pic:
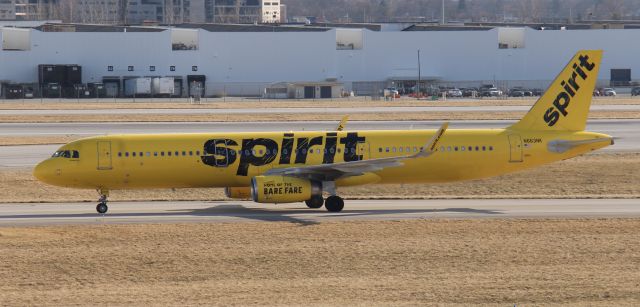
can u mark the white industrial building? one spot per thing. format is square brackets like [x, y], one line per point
[247, 60]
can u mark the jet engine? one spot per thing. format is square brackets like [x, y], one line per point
[238, 192]
[282, 189]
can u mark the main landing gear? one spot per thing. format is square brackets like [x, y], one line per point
[102, 203]
[333, 203]
[315, 202]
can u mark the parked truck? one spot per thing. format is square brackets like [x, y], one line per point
[162, 87]
[137, 87]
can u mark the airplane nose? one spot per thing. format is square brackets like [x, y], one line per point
[42, 172]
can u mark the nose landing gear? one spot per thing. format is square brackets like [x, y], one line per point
[102, 202]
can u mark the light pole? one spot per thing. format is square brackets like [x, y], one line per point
[419, 76]
[443, 12]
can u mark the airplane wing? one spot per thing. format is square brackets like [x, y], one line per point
[343, 123]
[332, 172]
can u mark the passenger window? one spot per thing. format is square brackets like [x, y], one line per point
[169, 153]
[184, 153]
[120, 154]
[177, 153]
[490, 148]
[455, 148]
[155, 153]
[126, 154]
[463, 148]
[415, 149]
[400, 149]
[477, 148]
[133, 153]
[449, 148]
[387, 149]
[148, 154]
[141, 154]
[441, 148]
[379, 149]
[470, 148]
[162, 153]
[191, 153]
[408, 149]
[484, 148]
[76, 154]
[393, 149]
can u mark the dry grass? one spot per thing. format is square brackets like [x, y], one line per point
[598, 175]
[36, 140]
[291, 117]
[583, 262]
[237, 103]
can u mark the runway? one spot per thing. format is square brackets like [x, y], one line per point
[304, 110]
[245, 211]
[27, 156]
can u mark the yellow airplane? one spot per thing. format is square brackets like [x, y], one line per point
[303, 166]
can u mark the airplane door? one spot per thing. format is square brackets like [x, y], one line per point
[515, 148]
[104, 155]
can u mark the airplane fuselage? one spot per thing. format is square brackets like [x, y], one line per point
[233, 159]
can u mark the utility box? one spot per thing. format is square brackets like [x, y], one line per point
[97, 90]
[137, 87]
[162, 86]
[52, 90]
[13, 91]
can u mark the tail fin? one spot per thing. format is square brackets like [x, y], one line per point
[565, 104]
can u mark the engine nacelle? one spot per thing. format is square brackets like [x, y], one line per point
[238, 192]
[281, 189]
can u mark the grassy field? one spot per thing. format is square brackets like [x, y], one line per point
[581, 262]
[592, 176]
[238, 103]
[443, 116]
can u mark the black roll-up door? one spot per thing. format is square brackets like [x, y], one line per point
[309, 92]
[325, 92]
[620, 77]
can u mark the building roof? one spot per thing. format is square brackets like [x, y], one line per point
[217, 27]
[73, 27]
[368, 26]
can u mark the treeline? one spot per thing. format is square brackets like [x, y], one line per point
[464, 10]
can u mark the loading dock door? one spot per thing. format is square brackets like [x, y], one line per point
[104, 155]
[309, 92]
[325, 92]
[515, 148]
[620, 77]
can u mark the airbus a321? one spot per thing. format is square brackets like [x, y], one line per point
[306, 166]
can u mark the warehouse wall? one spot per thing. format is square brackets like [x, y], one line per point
[243, 63]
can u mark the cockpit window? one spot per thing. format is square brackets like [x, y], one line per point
[69, 154]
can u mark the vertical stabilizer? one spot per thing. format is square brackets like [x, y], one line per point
[565, 104]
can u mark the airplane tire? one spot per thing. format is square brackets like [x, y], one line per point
[102, 208]
[315, 202]
[334, 203]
